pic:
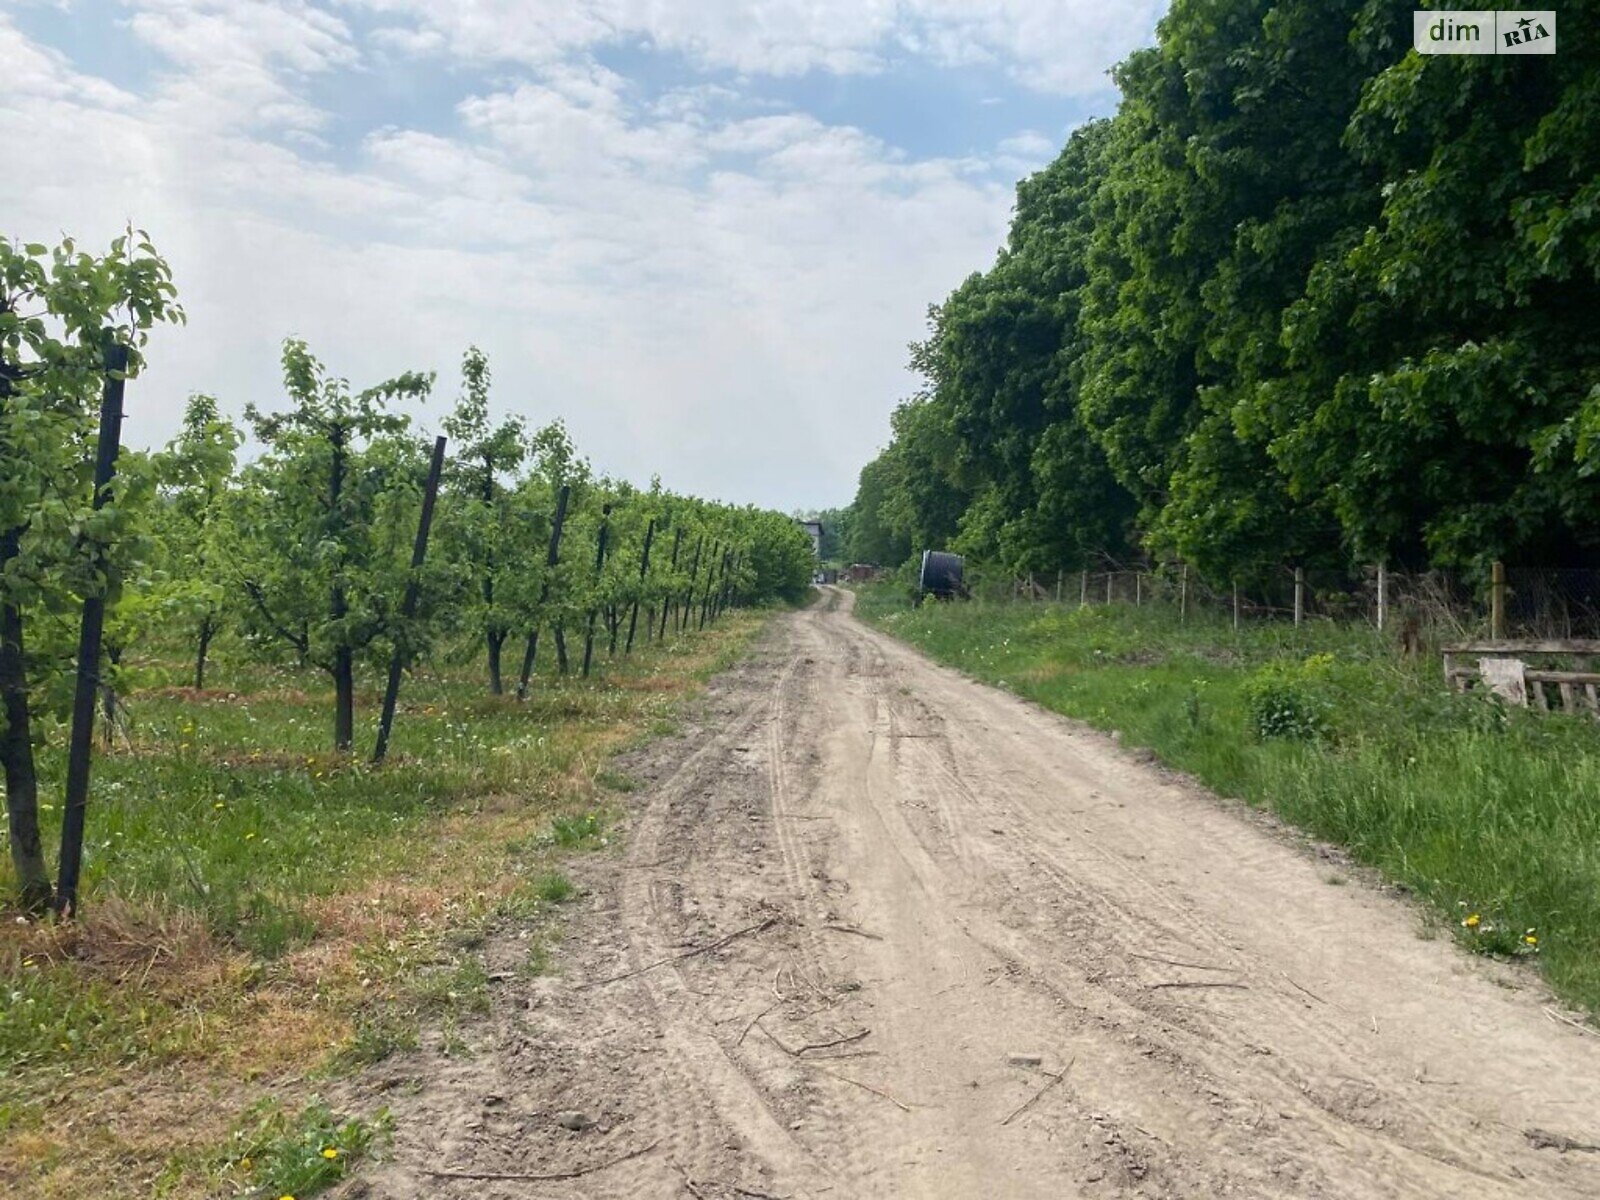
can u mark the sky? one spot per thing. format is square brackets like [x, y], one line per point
[701, 232]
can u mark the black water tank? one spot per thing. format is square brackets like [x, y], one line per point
[941, 574]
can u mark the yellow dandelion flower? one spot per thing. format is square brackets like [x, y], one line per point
[1472, 922]
[219, 804]
[1530, 939]
[330, 1152]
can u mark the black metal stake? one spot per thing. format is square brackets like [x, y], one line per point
[551, 558]
[89, 633]
[644, 569]
[666, 601]
[408, 606]
[599, 569]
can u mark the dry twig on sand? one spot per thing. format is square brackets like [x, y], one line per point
[1034, 1099]
[547, 1177]
[758, 927]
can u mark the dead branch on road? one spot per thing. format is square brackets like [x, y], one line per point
[1198, 983]
[1178, 962]
[866, 1087]
[758, 927]
[547, 1177]
[1034, 1099]
[866, 933]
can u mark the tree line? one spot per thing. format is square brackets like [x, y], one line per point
[1307, 297]
[304, 553]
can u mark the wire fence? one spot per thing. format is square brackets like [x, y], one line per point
[1428, 606]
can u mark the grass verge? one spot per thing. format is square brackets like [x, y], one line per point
[261, 915]
[1491, 815]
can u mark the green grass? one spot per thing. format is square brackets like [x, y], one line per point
[1478, 810]
[257, 908]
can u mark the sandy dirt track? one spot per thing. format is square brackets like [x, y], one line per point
[966, 949]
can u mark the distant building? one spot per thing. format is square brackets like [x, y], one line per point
[814, 531]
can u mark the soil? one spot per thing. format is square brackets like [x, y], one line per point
[874, 930]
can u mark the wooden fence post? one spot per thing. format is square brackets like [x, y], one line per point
[81, 736]
[408, 606]
[1058, 587]
[1299, 595]
[1497, 602]
[1083, 590]
[551, 559]
[1110, 575]
[1183, 592]
[1236, 606]
[1383, 596]
[644, 569]
[1138, 588]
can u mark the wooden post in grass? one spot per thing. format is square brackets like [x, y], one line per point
[81, 737]
[1083, 589]
[1236, 606]
[551, 558]
[1497, 601]
[408, 606]
[1383, 596]
[1110, 578]
[1138, 588]
[599, 571]
[1058, 587]
[1299, 595]
[1183, 592]
[666, 601]
[644, 569]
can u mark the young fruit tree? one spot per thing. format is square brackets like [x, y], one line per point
[66, 319]
[330, 509]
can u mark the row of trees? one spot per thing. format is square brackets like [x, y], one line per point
[304, 552]
[1307, 297]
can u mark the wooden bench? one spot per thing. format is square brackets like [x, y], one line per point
[1520, 673]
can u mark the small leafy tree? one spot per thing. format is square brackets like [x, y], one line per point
[485, 532]
[60, 312]
[327, 507]
[196, 529]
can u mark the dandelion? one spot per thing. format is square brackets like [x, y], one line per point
[1473, 921]
[219, 805]
[1530, 938]
[330, 1152]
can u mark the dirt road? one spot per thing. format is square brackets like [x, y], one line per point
[879, 931]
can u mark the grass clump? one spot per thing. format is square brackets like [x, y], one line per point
[303, 1153]
[1485, 812]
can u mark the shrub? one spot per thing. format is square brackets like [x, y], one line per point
[1286, 699]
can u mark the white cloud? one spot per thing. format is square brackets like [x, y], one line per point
[721, 297]
[1055, 45]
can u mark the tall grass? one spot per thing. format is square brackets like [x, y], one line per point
[1481, 811]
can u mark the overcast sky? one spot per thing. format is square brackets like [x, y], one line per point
[700, 231]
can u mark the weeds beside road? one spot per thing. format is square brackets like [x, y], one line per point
[263, 916]
[1491, 815]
